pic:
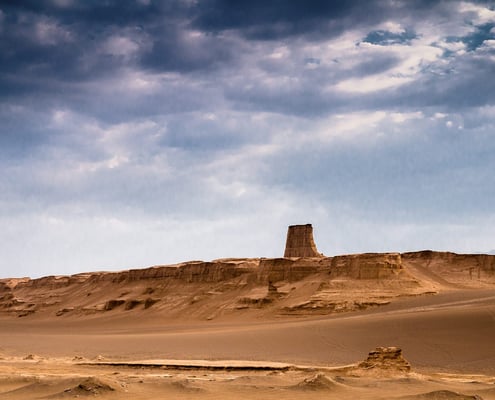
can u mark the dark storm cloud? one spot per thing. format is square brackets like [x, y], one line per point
[81, 55]
[71, 43]
[65, 41]
[49, 42]
[66, 54]
[96, 13]
[279, 19]
[172, 50]
[58, 46]
[64, 57]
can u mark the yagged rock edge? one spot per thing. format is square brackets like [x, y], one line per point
[386, 358]
[66, 295]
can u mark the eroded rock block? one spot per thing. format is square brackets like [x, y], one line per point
[300, 242]
[389, 358]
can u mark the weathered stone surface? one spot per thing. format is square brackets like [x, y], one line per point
[468, 270]
[280, 269]
[289, 285]
[317, 382]
[366, 266]
[386, 358]
[300, 242]
[89, 387]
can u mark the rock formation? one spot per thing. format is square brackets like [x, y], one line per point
[300, 242]
[302, 282]
[386, 358]
[88, 387]
[317, 382]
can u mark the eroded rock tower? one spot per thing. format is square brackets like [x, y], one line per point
[300, 242]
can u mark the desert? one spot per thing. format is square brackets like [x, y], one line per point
[154, 152]
[414, 325]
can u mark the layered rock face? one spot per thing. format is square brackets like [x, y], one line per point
[300, 242]
[386, 358]
[199, 289]
[270, 286]
[455, 270]
[355, 266]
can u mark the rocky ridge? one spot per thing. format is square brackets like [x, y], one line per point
[288, 286]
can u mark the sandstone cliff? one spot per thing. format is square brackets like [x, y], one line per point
[451, 269]
[280, 286]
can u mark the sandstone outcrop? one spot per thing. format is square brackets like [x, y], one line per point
[91, 386]
[284, 286]
[465, 270]
[386, 358]
[300, 242]
[316, 383]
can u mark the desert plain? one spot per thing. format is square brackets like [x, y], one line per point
[284, 328]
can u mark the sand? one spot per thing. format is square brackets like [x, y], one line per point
[447, 337]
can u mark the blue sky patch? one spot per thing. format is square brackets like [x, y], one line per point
[386, 38]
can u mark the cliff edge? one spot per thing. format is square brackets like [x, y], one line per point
[268, 287]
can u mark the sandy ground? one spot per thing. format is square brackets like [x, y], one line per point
[448, 339]
[64, 379]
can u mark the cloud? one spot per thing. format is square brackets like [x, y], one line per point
[387, 38]
[156, 127]
[278, 20]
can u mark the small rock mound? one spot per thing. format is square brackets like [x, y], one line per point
[90, 387]
[185, 386]
[32, 357]
[132, 303]
[386, 358]
[317, 382]
[112, 304]
[149, 302]
[442, 395]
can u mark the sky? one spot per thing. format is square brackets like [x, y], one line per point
[139, 133]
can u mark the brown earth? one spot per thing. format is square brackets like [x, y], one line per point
[257, 328]
[266, 288]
